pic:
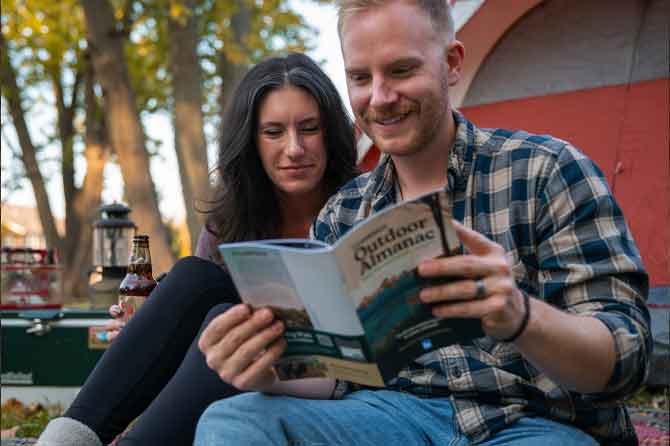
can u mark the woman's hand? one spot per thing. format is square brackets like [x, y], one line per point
[242, 347]
[114, 326]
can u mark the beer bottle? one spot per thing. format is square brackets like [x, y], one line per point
[138, 282]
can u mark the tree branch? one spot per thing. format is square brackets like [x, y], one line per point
[28, 152]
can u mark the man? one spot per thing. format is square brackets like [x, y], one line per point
[550, 268]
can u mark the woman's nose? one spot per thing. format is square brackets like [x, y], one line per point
[295, 147]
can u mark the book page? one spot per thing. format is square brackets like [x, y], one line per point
[325, 297]
[273, 288]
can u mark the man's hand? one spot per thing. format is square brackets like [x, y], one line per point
[500, 303]
[242, 347]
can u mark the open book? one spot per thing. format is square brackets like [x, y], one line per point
[351, 310]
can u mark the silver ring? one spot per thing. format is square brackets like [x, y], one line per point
[480, 289]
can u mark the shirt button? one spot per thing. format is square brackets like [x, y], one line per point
[456, 371]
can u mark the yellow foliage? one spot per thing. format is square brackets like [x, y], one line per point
[176, 10]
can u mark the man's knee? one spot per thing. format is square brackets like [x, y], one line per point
[249, 407]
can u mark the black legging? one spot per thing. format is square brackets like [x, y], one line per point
[154, 367]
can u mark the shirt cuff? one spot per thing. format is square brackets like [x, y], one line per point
[341, 388]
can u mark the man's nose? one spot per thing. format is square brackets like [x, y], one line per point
[382, 94]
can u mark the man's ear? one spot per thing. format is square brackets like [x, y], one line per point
[454, 54]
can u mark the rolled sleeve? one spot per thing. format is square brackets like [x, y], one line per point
[632, 354]
[590, 264]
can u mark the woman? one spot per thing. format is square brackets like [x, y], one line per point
[287, 145]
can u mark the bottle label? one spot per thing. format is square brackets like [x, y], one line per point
[129, 305]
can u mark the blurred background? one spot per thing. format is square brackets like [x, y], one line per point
[100, 94]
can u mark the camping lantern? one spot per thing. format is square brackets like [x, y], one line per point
[112, 237]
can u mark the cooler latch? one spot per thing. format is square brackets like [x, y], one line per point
[41, 320]
[39, 327]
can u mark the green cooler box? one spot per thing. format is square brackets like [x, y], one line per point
[47, 354]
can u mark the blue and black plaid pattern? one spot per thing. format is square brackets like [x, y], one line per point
[567, 239]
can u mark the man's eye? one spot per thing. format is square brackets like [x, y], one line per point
[403, 71]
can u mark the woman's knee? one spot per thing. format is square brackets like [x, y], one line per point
[215, 311]
[191, 277]
[190, 265]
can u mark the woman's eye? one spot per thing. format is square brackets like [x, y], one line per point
[272, 132]
[311, 129]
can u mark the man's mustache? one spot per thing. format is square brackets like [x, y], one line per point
[380, 115]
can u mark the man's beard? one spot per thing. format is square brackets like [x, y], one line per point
[430, 119]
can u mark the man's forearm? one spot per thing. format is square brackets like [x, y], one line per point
[575, 351]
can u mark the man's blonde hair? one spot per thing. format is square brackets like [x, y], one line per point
[439, 12]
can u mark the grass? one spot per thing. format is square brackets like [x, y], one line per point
[33, 418]
[654, 398]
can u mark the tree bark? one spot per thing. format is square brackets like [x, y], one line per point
[124, 127]
[232, 72]
[88, 198]
[28, 150]
[66, 133]
[189, 140]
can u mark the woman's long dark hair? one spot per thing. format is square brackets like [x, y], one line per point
[245, 206]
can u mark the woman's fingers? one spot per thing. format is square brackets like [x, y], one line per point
[114, 324]
[111, 335]
[115, 311]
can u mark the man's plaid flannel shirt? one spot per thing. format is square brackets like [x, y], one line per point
[551, 209]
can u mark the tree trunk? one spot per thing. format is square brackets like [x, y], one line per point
[189, 140]
[231, 71]
[87, 201]
[74, 283]
[66, 133]
[28, 150]
[124, 127]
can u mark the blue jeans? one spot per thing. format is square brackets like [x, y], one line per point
[363, 418]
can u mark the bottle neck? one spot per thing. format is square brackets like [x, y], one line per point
[139, 261]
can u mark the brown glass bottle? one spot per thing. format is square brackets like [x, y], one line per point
[138, 282]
